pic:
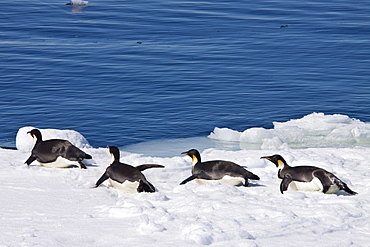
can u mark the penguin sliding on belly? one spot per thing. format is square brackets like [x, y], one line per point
[307, 178]
[125, 177]
[225, 172]
[55, 152]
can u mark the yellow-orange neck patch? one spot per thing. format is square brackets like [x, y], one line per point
[194, 160]
[280, 164]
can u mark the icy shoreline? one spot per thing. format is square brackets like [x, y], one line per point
[59, 207]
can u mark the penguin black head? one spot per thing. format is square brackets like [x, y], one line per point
[36, 134]
[194, 154]
[114, 152]
[277, 159]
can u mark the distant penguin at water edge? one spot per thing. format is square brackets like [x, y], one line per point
[55, 153]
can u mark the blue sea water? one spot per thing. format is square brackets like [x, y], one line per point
[127, 72]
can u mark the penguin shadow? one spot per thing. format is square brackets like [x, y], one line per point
[342, 193]
[255, 185]
[67, 167]
[87, 164]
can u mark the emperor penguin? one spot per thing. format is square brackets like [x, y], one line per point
[126, 177]
[225, 172]
[307, 178]
[55, 153]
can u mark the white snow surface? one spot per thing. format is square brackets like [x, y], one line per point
[60, 207]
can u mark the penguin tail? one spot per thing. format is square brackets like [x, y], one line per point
[145, 187]
[252, 176]
[88, 156]
[348, 190]
[344, 186]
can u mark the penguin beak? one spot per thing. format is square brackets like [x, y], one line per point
[276, 162]
[185, 153]
[266, 157]
[32, 135]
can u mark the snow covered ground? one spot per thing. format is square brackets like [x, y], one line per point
[60, 207]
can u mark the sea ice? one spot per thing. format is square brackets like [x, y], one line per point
[60, 207]
[314, 130]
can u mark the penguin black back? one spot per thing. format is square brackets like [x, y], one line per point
[225, 171]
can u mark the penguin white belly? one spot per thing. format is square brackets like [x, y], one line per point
[204, 181]
[313, 185]
[332, 189]
[127, 186]
[236, 181]
[60, 162]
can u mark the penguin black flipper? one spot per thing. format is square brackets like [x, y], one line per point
[102, 179]
[285, 183]
[147, 166]
[200, 175]
[30, 160]
[192, 177]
